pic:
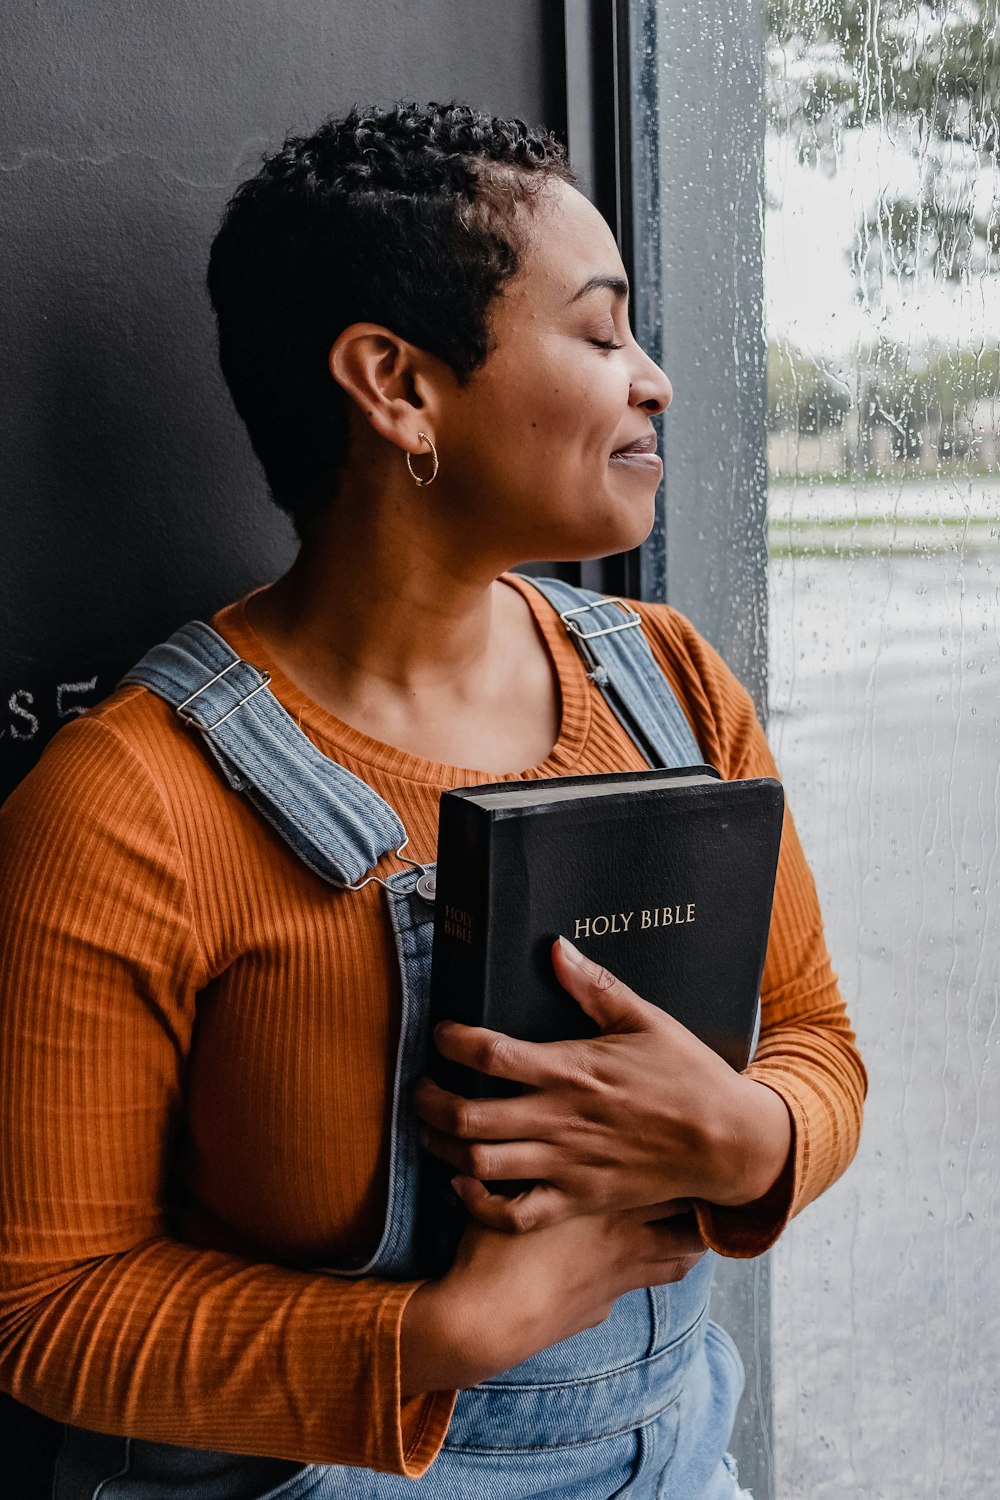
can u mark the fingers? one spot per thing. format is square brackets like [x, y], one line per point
[490, 1161]
[478, 1119]
[538, 1208]
[633, 1252]
[499, 1055]
[676, 1270]
[653, 1234]
[676, 1238]
[653, 1213]
[606, 999]
[662, 1252]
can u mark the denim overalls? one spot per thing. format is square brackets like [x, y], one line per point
[641, 1405]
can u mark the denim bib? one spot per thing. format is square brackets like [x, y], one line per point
[643, 1404]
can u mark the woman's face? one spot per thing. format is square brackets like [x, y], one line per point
[533, 441]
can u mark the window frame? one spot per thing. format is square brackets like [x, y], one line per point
[673, 172]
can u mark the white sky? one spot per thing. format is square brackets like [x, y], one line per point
[810, 290]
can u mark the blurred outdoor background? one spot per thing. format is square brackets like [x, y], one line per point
[882, 281]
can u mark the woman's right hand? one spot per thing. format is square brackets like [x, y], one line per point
[509, 1296]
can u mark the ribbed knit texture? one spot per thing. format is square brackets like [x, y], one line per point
[197, 1044]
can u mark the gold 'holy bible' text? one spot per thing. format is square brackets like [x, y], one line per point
[621, 921]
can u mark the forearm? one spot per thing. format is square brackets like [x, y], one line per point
[818, 1073]
[194, 1347]
[436, 1343]
[814, 1071]
[752, 1143]
[105, 1321]
[481, 1318]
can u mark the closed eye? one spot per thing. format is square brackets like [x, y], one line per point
[606, 344]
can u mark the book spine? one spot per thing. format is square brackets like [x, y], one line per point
[458, 974]
[461, 931]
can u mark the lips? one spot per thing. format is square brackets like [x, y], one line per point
[646, 444]
[641, 454]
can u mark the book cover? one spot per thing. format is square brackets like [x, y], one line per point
[665, 877]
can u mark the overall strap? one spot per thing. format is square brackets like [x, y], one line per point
[333, 821]
[608, 635]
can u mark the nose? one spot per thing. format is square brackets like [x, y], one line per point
[650, 387]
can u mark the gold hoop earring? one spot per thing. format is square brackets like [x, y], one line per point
[434, 456]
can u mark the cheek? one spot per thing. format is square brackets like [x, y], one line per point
[567, 409]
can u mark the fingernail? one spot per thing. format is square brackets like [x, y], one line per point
[572, 953]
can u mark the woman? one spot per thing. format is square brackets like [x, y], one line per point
[424, 326]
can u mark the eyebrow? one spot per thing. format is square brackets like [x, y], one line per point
[616, 284]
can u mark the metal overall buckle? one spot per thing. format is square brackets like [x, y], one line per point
[426, 886]
[630, 622]
[189, 718]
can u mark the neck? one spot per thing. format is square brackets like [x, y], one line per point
[382, 593]
[392, 619]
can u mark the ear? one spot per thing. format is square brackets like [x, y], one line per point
[391, 381]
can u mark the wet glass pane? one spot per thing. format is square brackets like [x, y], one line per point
[862, 139]
[882, 234]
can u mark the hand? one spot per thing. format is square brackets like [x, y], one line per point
[509, 1296]
[643, 1113]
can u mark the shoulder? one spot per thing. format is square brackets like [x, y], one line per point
[721, 711]
[131, 739]
[131, 734]
[114, 777]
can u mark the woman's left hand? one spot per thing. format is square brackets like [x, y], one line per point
[644, 1113]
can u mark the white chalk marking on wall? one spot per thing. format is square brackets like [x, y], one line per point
[24, 725]
[19, 710]
[67, 711]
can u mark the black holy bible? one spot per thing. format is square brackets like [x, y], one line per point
[665, 877]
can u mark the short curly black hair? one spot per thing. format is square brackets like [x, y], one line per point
[404, 216]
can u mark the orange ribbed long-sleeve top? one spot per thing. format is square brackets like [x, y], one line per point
[196, 1039]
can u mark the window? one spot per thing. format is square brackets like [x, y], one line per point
[883, 322]
[832, 523]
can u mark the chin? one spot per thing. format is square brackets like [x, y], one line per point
[582, 549]
[622, 530]
[617, 526]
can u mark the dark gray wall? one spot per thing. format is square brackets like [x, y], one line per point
[129, 497]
